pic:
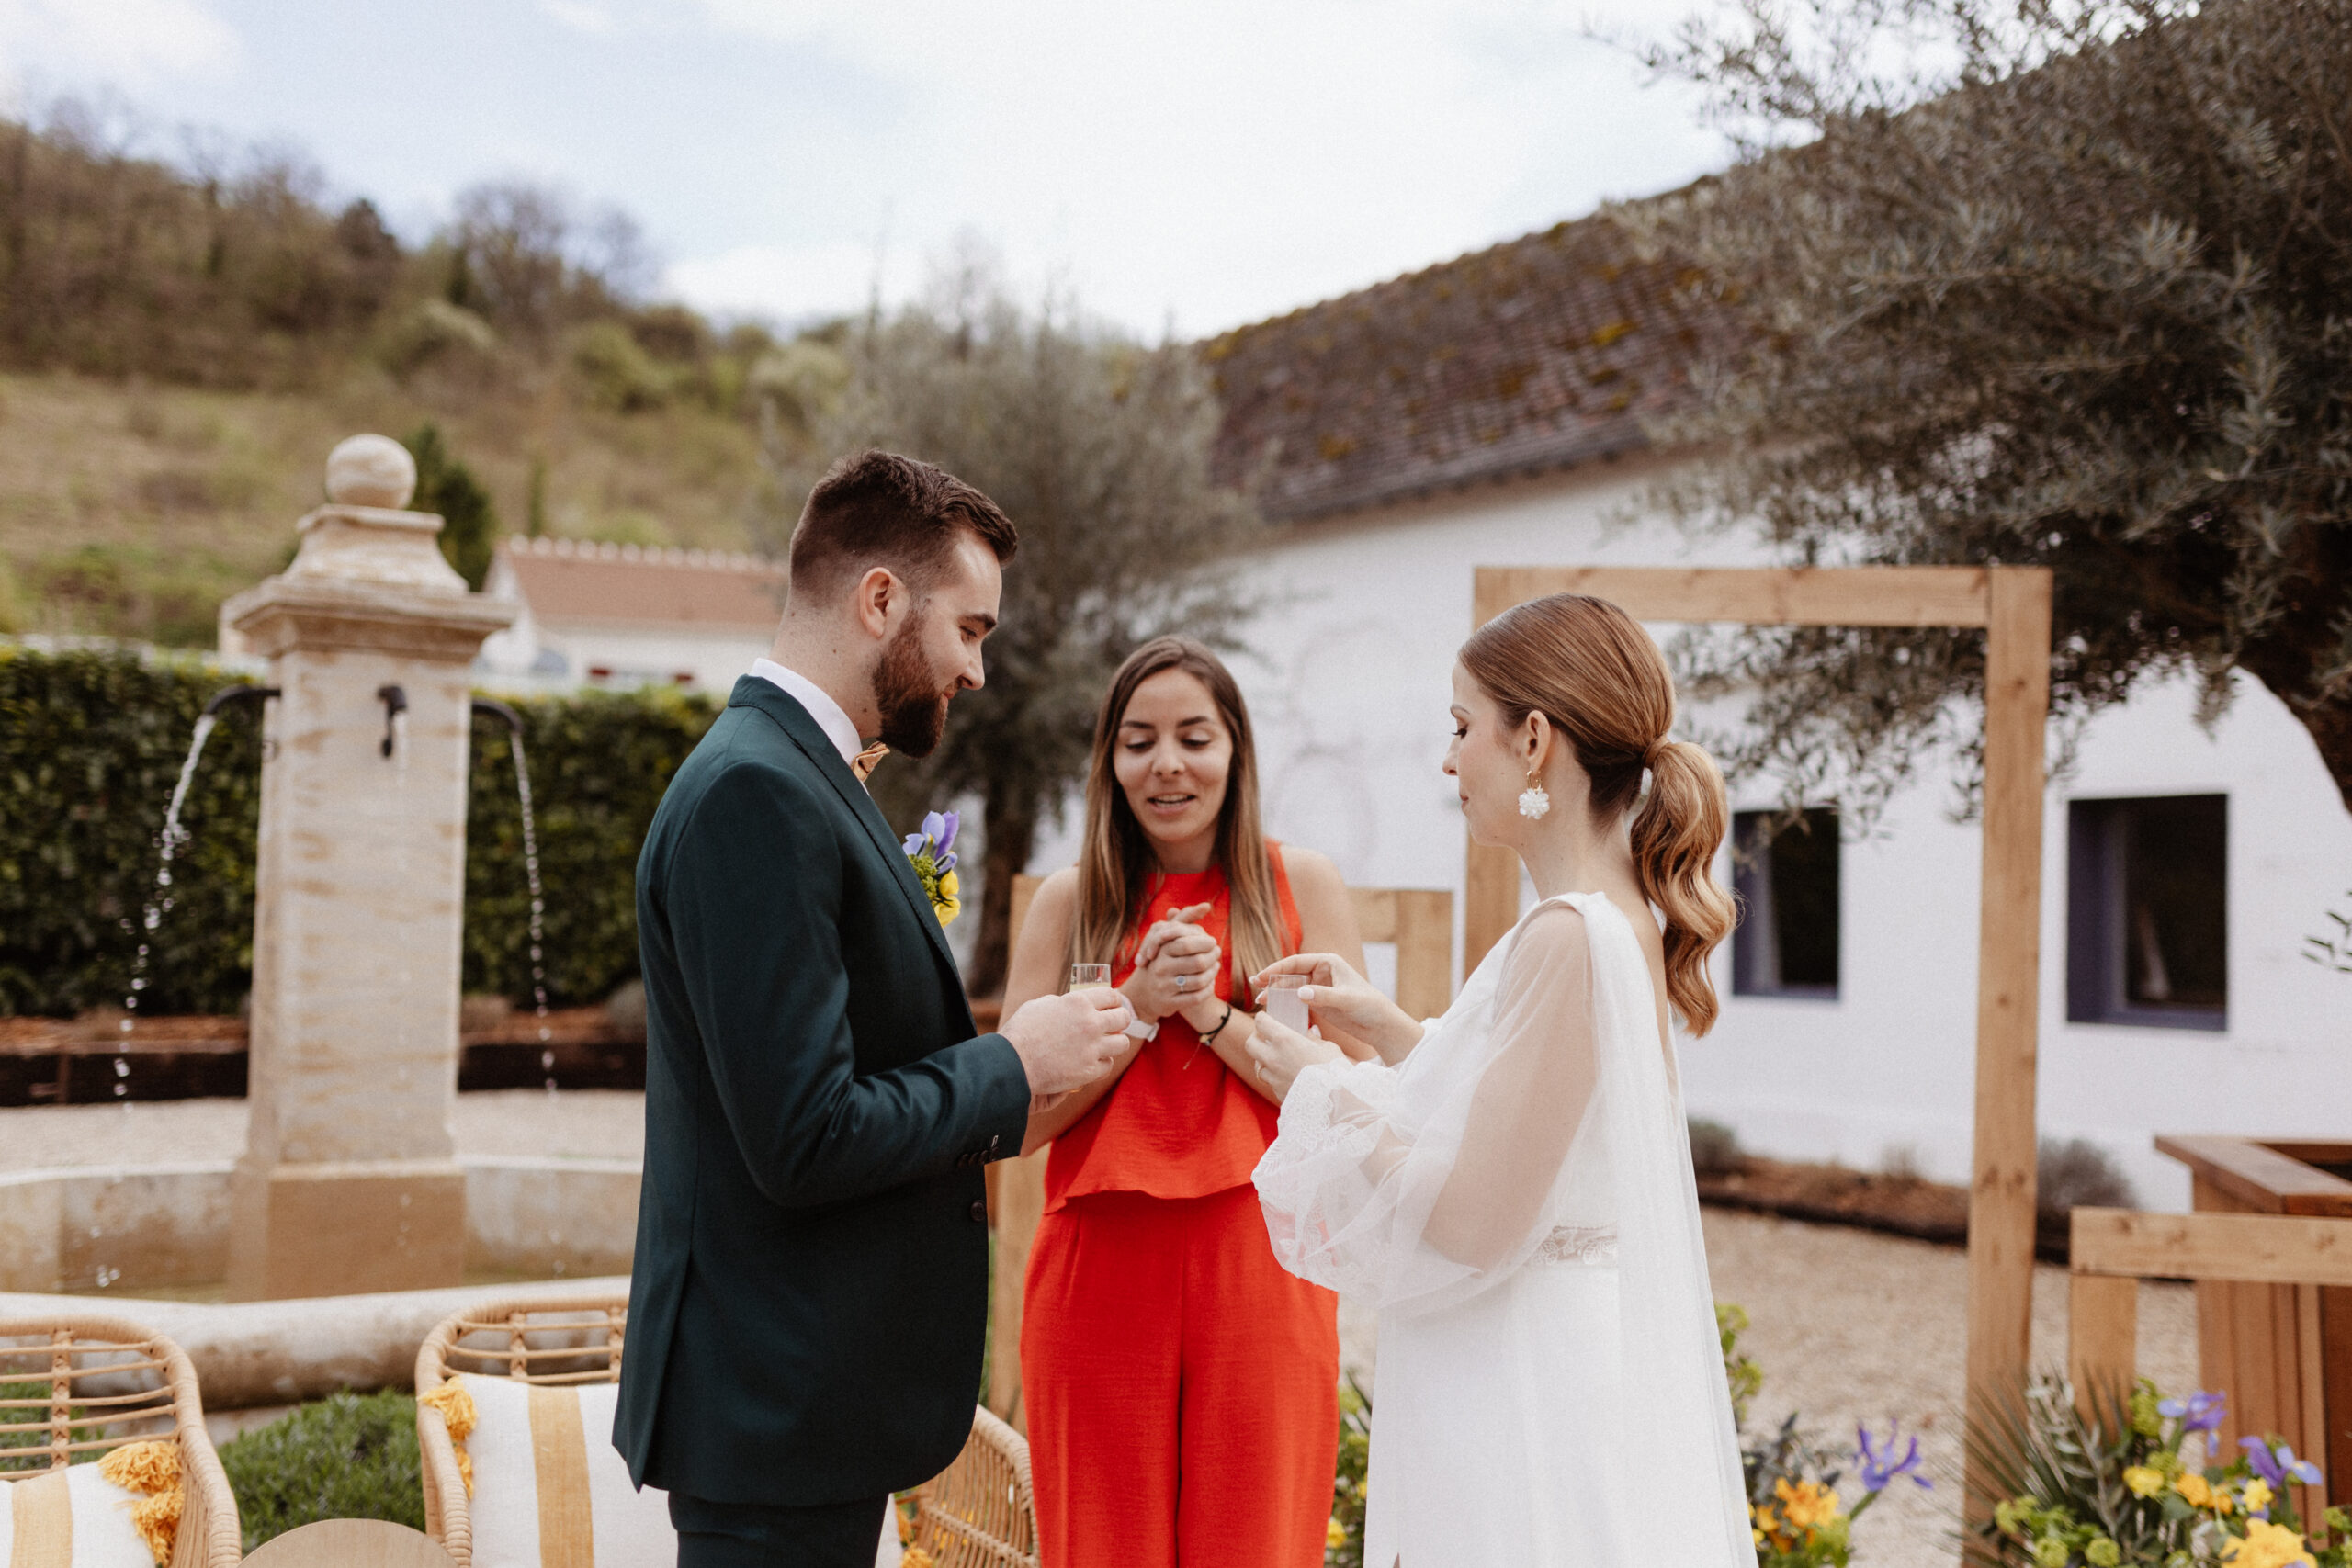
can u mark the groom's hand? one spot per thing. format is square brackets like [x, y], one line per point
[1067, 1042]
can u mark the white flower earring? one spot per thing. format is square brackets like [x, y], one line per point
[1533, 801]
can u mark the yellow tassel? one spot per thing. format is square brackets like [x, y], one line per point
[916, 1557]
[143, 1467]
[153, 1468]
[157, 1521]
[458, 1414]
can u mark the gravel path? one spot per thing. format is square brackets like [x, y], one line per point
[1848, 1325]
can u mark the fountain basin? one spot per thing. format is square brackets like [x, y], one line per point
[121, 1229]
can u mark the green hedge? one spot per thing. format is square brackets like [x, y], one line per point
[90, 743]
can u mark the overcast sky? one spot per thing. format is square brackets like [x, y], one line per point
[1197, 164]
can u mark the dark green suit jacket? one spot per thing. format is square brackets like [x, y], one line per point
[809, 1296]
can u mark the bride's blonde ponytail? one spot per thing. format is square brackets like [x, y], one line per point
[1596, 675]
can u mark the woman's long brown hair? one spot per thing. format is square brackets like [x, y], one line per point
[1116, 868]
[1590, 670]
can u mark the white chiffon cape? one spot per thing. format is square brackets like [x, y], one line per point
[1516, 1200]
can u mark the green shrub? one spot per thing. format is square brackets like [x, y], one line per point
[90, 743]
[351, 1456]
[447, 489]
[599, 764]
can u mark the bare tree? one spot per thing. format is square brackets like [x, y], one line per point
[2053, 282]
[1098, 449]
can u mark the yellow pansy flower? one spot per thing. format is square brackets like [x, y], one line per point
[2143, 1480]
[2267, 1546]
[1335, 1536]
[2256, 1495]
[2199, 1493]
[1808, 1504]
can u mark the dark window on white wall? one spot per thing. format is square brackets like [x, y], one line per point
[1787, 942]
[2147, 912]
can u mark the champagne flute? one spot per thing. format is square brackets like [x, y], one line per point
[1089, 977]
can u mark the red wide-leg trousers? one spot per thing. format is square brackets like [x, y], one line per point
[1182, 1388]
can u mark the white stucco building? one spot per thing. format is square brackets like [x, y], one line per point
[1486, 413]
[621, 616]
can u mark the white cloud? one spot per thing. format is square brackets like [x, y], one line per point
[582, 16]
[791, 280]
[1227, 159]
[130, 44]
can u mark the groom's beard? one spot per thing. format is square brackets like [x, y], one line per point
[913, 709]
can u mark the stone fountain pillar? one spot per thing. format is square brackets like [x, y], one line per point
[349, 1182]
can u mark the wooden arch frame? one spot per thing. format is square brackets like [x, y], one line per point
[2012, 604]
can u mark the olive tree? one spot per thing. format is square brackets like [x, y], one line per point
[2065, 283]
[1097, 446]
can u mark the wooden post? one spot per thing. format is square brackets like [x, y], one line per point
[2009, 947]
[2102, 1339]
[1490, 889]
[1016, 1204]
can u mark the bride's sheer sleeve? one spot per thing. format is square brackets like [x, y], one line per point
[1419, 1186]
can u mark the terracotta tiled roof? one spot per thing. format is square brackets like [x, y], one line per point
[566, 582]
[1541, 353]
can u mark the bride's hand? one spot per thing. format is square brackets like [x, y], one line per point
[1343, 1004]
[1281, 1054]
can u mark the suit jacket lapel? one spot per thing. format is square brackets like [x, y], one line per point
[779, 705]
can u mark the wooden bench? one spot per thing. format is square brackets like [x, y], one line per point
[2111, 1250]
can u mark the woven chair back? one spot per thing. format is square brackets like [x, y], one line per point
[71, 1389]
[979, 1512]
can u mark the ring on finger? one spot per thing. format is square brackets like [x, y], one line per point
[1184, 983]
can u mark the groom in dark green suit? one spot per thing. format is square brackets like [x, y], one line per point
[808, 1301]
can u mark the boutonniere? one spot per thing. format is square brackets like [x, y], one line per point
[932, 855]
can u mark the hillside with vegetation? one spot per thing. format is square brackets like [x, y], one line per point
[180, 344]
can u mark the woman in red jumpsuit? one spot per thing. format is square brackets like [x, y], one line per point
[1180, 1387]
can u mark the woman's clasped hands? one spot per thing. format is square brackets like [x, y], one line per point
[1176, 969]
[1348, 1015]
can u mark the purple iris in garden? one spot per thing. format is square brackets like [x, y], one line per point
[1879, 1467]
[939, 832]
[2278, 1466]
[2200, 1412]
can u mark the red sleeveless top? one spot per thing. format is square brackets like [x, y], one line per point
[1179, 1123]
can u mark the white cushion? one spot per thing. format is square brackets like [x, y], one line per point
[100, 1521]
[626, 1527]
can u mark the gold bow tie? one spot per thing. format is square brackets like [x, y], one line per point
[865, 763]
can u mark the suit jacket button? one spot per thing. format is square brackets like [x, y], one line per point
[979, 1211]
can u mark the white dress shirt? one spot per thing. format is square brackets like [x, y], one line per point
[821, 707]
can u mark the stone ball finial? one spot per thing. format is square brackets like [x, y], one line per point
[370, 471]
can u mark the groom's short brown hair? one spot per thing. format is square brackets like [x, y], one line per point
[879, 509]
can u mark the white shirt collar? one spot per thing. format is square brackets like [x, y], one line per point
[821, 706]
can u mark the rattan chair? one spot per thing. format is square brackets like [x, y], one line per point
[981, 1512]
[574, 1340]
[111, 1382]
[978, 1513]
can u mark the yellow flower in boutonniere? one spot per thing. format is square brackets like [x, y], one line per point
[932, 855]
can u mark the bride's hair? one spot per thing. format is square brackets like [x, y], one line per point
[1590, 670]
[1116, 864]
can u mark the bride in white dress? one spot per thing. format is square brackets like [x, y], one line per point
[1510, 1185]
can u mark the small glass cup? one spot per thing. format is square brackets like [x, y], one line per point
[1089, 977]
[1284, 1005]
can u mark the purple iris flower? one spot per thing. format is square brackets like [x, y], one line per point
[2279, 1466]
[938, 836]
[1879, 1467]
[2200, 1412]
